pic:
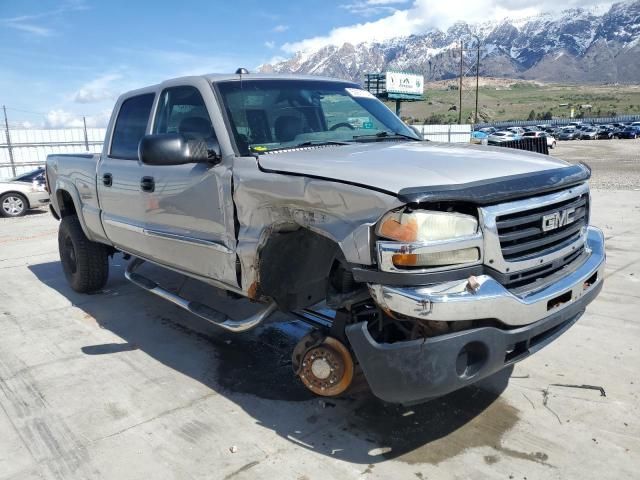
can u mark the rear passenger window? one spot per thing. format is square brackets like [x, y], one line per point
[131, 126]
[182, 110]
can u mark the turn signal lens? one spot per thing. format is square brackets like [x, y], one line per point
[436, 259]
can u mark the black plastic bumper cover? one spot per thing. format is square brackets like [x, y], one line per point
[418, 370]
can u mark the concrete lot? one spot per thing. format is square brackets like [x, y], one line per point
[615, 163]
[122, 385]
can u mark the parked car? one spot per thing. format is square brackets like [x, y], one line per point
[569, 133]
[516, 130]
[431, 266]
[588, 134]
[551, 142]
[21, 193]
[604, 133]
[629, 132]
[503, 136]
[479, 137]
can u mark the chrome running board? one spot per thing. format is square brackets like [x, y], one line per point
[199, 309]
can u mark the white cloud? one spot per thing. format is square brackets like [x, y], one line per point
[424, 15]
[29, 28]
[98, 90]
[280, 28]
[270, 44]
[61, 118]
[26, 23]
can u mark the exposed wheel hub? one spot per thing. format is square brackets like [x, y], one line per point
[326, 368]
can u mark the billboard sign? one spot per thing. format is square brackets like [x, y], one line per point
[407, 83]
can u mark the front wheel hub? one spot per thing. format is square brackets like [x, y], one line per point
[327, 368]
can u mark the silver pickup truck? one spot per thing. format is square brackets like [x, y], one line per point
[425, 266]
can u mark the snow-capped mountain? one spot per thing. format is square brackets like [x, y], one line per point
[573, 46]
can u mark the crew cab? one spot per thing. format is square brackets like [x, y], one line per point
[425, 266]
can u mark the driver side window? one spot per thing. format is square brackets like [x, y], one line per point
[182, 110]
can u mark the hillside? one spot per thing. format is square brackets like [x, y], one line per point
[501, 99]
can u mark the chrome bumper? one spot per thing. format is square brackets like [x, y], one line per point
[456, 301]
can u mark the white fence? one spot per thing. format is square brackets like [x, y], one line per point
[27, 149]
[445, 133]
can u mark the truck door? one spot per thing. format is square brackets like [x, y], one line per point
[119, 175]
[189, 215]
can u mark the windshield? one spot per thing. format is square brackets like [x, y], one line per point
[267, 115]
[29, 177]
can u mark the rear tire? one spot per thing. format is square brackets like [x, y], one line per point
[13, 205]
[85, 263]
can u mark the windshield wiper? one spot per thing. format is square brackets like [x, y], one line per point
[309, 143]
[385, 135]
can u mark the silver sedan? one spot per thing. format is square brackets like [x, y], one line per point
[19, 194]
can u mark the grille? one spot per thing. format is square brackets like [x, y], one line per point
[521, 235]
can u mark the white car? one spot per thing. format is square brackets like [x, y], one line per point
[551, 142]
[503, 136]
[21, 193]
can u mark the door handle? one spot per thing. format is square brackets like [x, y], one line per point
[107, 179]
[147, 184]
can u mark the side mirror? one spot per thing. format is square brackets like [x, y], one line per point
[176, 149]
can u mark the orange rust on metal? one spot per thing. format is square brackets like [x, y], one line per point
[252, 293]
[327, 369]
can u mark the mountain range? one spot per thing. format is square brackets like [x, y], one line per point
[574, 46]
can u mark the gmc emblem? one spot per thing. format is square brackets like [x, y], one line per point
[558, 219]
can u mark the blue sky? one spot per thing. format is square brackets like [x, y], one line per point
[74, 57]
[61, 59]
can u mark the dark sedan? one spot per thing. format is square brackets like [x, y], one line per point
[629, 132]
[604, 133]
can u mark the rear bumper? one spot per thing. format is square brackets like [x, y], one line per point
[418, 370]
[454, 301]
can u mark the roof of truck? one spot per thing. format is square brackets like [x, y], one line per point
[218, 77]
[221, 77]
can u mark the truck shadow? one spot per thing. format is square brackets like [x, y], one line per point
[254, 371]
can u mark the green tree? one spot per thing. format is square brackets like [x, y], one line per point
[532, 115]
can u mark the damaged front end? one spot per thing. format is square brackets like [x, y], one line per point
[469, 290]
[427, 291]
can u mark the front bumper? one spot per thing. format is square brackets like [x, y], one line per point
[455, 301]
[418, 370]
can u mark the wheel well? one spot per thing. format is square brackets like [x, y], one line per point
[65, 203]
[20, 194]
[295, 268]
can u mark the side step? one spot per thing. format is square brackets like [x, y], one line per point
[203, 311]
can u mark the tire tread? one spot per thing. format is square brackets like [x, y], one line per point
[92, 258]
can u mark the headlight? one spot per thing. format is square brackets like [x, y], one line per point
[424, 227]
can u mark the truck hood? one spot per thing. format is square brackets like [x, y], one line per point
[394, 166]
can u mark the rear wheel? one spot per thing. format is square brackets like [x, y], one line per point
[13, 205]
[85, 263]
